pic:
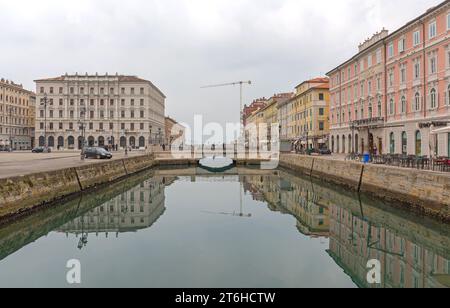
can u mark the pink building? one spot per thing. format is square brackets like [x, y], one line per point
[396, 90]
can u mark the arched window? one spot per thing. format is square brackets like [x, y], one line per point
[433, 99]
[379, 109]
[418, 143]
[337, 145]
[403, 104]
[404, 143]
[123, 142]
[51, 142]
[357, 143]
[391, 107]
[132, 142]
[91, 141]
[350, 143]
[141, 142]
[343, 144]
[41, 141]
[392, 143]
[417, 102]
[61, 141]
[101, 141]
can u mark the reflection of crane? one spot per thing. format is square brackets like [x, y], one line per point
[241, 210]
[241, 85]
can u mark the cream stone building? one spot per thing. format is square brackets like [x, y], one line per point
[116, 110]
[16, 116]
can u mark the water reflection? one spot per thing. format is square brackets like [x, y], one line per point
[137, 208]
[414, 253]
[350, 229]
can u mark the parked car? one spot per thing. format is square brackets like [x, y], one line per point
[97, 153]
[324, 151]
[41, 150]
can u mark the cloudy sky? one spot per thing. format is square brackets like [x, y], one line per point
[183, 44]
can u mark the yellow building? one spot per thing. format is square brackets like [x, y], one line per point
[308, 114]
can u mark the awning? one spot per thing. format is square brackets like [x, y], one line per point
[443, 130]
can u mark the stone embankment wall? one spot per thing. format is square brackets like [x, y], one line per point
[20, 194]
[426, 192]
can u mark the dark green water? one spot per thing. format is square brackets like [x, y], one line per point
[163, 230]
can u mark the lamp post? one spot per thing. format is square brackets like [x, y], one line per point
[10, 129]
[44, 103]
[82, 124]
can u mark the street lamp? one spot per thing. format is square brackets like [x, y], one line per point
[82, 125]
[44, 103]
[10, 129]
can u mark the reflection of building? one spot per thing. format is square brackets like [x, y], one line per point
[355, 241]
[115, 109]
[295, 198]
[16, 116]
[135, 209]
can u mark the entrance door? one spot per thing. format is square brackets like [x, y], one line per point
[371, 143]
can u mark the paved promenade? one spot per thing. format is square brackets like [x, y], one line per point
[22, 163]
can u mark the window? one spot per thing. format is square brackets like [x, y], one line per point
[433, 99]
[321, 97]
[403, 74]
[370, 110]
[369, 61]
[416, 38]
[448, 22]
[448, 96]
[392, 143]
[401, 45]
[321, 126]
[404, 143]
[403, 104]
[432, 30]
[433, 68]
[322, 111]
[417, 102]
[391, 50]
[417, 70]
[379, 56]
[418, 143]
[379, 109]
[391, 107]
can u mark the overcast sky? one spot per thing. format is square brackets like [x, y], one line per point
[181, 45]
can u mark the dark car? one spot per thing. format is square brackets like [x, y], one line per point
[41, 150]
[325, 152]
[97, 153]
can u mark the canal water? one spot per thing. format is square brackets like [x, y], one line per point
[248, 228]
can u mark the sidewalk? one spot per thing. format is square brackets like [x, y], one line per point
[22, 163]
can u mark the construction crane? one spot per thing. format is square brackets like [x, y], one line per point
[237, 83]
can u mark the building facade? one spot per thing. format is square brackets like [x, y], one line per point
[174, 131]
[309, 121]
[16, 116]
[391, 95]
[115, 110]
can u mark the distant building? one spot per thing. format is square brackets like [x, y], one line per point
[304, 118]
[174, 131]
[16, 116]
[396, 90]
[114, 110]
